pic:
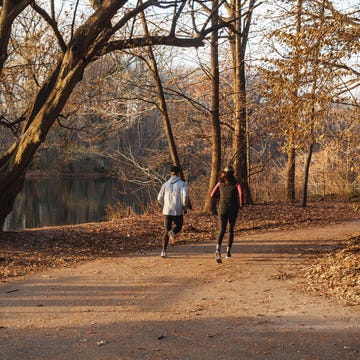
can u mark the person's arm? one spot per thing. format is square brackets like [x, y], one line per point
[185, 197]
[160, 197]
[215, 190]
[240, 194]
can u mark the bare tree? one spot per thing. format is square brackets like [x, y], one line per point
[238, 24]
[152, 65]
[239, 34]
[215, 110]
[95, 37]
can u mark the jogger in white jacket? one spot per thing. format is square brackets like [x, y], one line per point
[173, 196]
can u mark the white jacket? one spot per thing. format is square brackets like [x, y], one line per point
[173, 196]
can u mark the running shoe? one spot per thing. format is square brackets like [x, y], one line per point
[171, 237]
[218, 256]
[163, 254]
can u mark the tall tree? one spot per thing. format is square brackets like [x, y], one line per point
[104, 31]
[315, 73]
[215, 109]
[308, 71]
[153, 67]
[239, 34]
[293, 115]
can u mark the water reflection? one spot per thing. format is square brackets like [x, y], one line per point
[60, 201]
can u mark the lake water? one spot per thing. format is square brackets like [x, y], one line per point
[60, 201]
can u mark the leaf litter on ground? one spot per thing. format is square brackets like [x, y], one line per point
[336, 273]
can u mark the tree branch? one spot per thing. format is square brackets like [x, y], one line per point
[341, 66]
[8, 13]
[132, 14]
[150, 41]
[52, 24]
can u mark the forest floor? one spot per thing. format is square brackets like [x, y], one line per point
[101, 290]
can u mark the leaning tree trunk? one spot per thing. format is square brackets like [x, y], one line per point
[315, 71]
[46, 107]
[8, 13]
[163, 106]
[44, 112]
[8, 196]
[11, 182]
[210, 205]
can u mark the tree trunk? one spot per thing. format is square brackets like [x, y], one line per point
[163, 109]
[162, 101]
[46, 107]
[240, 144]
[14, 164]
[291, 175]
[241, 139]
[291, 141]
[163, 106]
[210, 205]
[8, 197]
[306, 175]
[315, 72]
[8, 13]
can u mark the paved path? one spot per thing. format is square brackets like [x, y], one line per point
[183, 307]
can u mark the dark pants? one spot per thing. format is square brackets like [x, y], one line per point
[168, 220]
[223, 220]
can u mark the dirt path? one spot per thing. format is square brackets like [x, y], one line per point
[183, 307]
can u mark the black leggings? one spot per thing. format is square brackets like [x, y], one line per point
[223, 220]
[168, 220]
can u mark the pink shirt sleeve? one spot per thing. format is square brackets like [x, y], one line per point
[240, 193]
[215, 189]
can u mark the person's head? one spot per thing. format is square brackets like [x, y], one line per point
[227, 175]
[175, 170]
[228, 170]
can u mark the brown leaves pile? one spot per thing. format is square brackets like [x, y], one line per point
[337, 275]
[28, 251]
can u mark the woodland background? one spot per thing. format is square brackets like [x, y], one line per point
[273, 90]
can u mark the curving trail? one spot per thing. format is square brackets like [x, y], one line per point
[184, 307]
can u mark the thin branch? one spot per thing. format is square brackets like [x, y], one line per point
[176, 17]
[52, 24]
[73, 20]
[52, 9]
[132, 14]
[341, 66]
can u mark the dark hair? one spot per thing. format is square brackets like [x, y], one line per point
[227, 176]
[175, 170]
[229, 170]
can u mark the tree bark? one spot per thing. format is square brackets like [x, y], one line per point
[162, 101]
[210, 205]
[315, 72]
[163, 107]
[290, 175]
[8, 13]
[240, 144]
[306, 175]
[8, 196]
[291, 191]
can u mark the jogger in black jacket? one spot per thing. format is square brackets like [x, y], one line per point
[229, 192]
